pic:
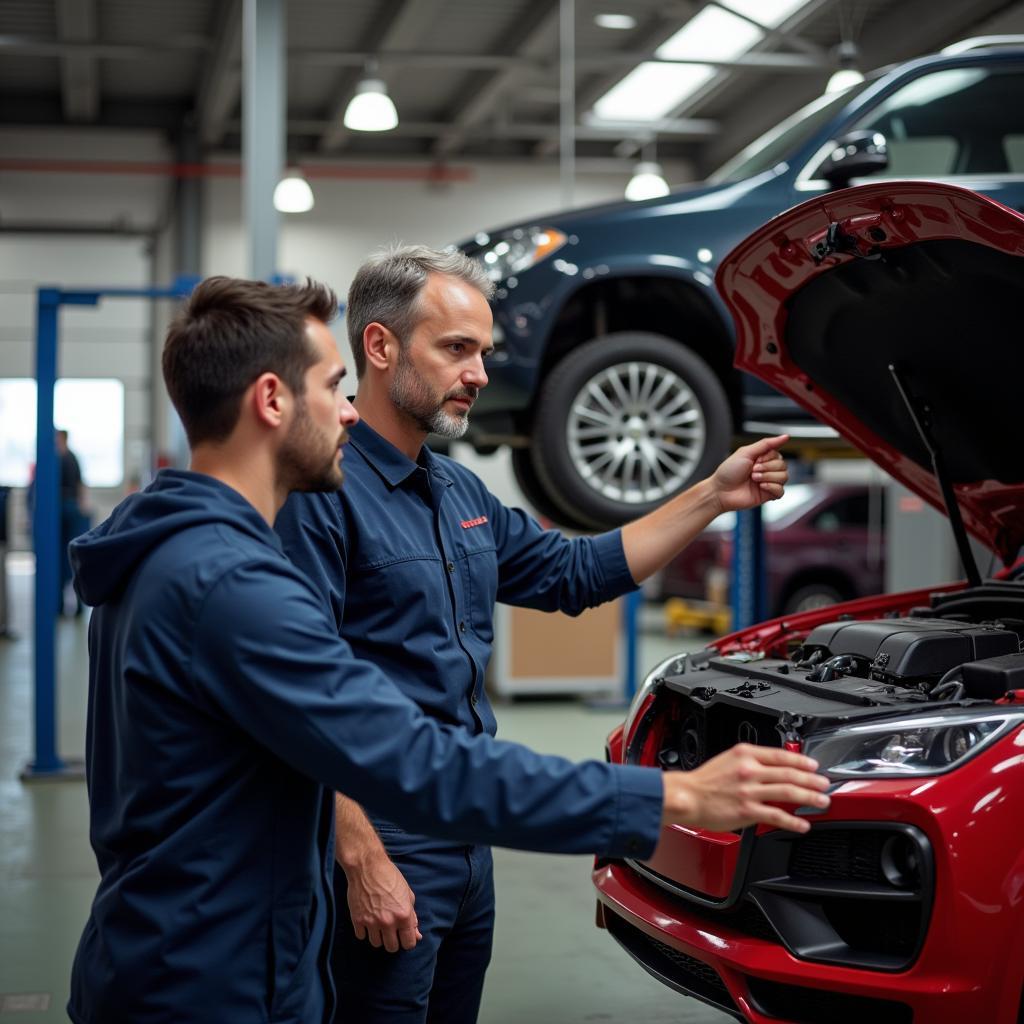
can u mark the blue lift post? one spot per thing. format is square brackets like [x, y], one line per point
[631, 623]
[748, 591]
[47, 763]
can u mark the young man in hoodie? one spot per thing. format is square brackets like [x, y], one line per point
[224, 708]
[410, 558]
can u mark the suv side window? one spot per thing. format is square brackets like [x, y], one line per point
[958, 121]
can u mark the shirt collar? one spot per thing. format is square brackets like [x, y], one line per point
[393, 466]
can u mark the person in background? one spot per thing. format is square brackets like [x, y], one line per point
[73, 517]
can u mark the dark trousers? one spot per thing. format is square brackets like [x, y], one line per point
[441, 979]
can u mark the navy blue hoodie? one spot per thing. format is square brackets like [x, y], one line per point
[224, 709]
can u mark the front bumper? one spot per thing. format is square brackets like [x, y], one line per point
[692, 916]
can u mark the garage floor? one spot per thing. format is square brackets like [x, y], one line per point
[551, 965]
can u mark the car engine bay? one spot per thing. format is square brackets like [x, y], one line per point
[962, 650]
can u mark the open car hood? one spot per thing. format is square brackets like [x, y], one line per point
[927, 279]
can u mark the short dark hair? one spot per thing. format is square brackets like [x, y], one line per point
[228, 332]
[387, 287]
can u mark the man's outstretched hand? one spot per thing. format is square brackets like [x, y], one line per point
[743, 786]
[752, 475]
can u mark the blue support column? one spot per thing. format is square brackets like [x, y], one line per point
[46, 538]
[631, 628]
[47, 764]
[748, 570]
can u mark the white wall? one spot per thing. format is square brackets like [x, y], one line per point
[83, 199]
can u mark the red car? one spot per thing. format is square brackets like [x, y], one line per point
[824, 543]
[892, 312]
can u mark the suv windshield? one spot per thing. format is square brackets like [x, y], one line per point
[777, 144]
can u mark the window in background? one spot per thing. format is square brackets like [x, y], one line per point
[91, 411]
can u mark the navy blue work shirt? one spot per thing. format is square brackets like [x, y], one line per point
[222, 705]
[411, 557]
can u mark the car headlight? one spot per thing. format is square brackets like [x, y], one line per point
[673, 665]
[506, 255]
[913, 746]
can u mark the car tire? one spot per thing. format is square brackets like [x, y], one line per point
[627, 389]
[526, 476]
[811, 596]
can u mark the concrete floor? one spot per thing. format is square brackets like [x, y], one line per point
[550, 965]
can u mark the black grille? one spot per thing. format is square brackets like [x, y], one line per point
[801, 1005]
[683, 973]
[846, 856]
[876, 926]
[694, 969]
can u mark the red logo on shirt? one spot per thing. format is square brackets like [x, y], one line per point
[468, 524]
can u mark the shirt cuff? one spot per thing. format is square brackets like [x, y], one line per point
[611, 556]
[637, 827]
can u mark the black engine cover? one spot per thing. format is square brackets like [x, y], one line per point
[909, 651]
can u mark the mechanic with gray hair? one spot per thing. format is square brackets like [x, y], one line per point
[411, 557]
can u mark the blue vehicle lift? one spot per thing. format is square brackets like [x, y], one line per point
[47, 763]
[747, 593]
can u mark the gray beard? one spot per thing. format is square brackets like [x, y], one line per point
[409, 393]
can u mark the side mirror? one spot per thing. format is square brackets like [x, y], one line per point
[855, 155]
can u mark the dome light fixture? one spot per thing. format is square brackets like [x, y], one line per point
[618, 22]
[647, 182]
[371, 108]
[848, 75]
[293, 194]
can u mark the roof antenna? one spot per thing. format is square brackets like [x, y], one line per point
[921, 416]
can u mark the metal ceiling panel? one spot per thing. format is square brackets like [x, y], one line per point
[468, 76]
[37, 18]
[169, 76]
[327, 24]
[152, 21]
[469, 26]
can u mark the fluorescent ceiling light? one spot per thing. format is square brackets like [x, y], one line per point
[371, 109]
[293, 194]
[647, 182]
[651, 91]
[843, 79]
[616, 21]
[769, 13]
[711, 34]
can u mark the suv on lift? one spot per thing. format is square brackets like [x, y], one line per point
[613, 378]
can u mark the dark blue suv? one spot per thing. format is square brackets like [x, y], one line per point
[612, 377]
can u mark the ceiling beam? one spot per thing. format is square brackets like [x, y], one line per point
[220, 85]
[79, 74]
[695, 128]
[513, 65]
[31, 46]
[397, 28]
[537, 31]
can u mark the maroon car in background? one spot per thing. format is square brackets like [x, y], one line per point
[825, 543]
[893, 313]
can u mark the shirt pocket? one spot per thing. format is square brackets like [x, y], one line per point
[391, 598]
[478, 559]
